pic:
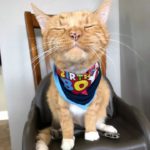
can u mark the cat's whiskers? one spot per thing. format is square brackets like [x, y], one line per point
[110, 59]
[43, 53]
[102, 51]
[44, 45]
[91, 46]
[101, 62]
[47, 54]
[121, 34]
[128, 48]
[40, 55]
[50, 51]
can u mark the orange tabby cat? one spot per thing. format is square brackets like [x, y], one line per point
[75, 41]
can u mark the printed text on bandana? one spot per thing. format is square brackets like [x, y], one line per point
[79, 83]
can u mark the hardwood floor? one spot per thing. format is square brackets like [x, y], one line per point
[4, 136]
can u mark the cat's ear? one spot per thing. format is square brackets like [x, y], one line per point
[103, 11]
[41, 17]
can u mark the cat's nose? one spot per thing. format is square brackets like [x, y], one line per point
[75, 34]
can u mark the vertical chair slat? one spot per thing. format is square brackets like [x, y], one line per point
[33, 48]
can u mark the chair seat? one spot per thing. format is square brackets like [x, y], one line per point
[133, 126]
[130, 139]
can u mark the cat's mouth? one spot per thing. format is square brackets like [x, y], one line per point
[76, 55]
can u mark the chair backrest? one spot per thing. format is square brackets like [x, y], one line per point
[31, 25]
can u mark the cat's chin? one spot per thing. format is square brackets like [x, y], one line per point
[75, 60]
[76, 67]
[75, 55]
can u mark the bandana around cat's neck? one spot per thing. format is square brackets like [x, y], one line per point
[78, 89]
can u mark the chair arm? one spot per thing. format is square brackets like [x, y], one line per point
[134, 116]
[30, 129]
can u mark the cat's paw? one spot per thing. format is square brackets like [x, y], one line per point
[107, 128]
[67, 144]
[40, 145]
[92, 136]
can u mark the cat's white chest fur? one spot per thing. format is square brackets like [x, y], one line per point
[77, 114]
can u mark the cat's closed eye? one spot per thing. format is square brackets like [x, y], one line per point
[63, 27]
[89, 26]
[58, 28]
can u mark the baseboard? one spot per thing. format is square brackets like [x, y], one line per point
[3, 115]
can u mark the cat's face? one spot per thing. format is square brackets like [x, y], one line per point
[76, 39]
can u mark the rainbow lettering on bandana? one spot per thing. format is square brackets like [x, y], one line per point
[79, 83]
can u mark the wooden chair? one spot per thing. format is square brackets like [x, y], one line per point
[130, 122]
[31, 25]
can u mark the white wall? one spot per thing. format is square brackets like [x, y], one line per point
[16, 66]
[3, 105]
[16, 61]
[113, 51]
